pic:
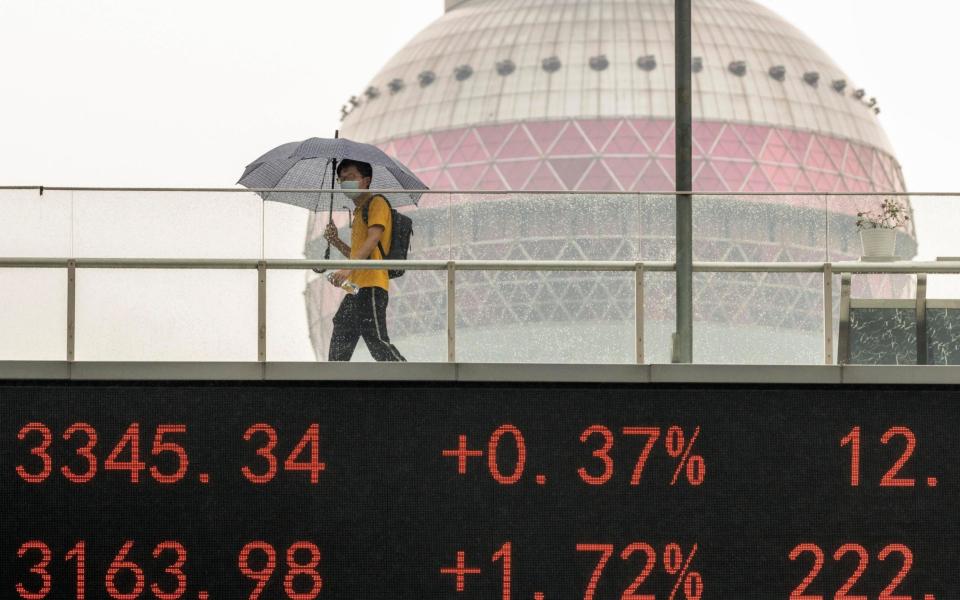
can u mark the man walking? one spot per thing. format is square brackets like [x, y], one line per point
[363, 314]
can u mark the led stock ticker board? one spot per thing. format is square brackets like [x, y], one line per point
[209, 491]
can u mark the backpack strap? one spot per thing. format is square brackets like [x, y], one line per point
[366, 220]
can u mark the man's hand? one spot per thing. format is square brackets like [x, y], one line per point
[338, 277]
[331, 234]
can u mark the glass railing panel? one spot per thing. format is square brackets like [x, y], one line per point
[546, 317]
[136, 224]
[166, 315]
[38, 225]
[660, 320]
[34, 301]
[33, 321]
[758, 318]
[759, 228]
[294, 232]
[739, 317]
[658, 226]
[564, 227]
[658, 243]
[530, 316]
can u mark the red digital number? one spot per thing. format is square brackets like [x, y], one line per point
[40, 451]
[606, 551]
[890, 479]
[176, 570]
[302, 561]
[38, 569]
[652, 433]
[131, 439]
[79, 552]
[313, 466]
[160, 446]
[818, 558]
[295, 569]
[863, 559]
[888, 592]
[853, 438]
[492, 454]
[266, 452]
[602, 453]
[303, 569]
[118, 564]
[647, 549]
[506, 555]
[263, 575]
[85, 451]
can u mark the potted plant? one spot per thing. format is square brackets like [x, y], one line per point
[878, 229]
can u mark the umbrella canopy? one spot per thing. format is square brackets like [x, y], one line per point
[309, 164]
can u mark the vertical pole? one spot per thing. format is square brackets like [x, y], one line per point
[922, 357]
[684, 176]
[451, 312]
[638, 275]
[827, 314]
[333, 184]
[262, 311]
[843, 345]
[71, 308]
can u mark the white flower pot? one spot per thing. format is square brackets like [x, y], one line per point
[878, 243]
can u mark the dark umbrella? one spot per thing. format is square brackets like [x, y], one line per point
[312, 164]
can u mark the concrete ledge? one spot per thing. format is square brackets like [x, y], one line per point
[219, 371]
[901, 375]
[12, 369]
[358, 371]
[480, 372]
[820, 374]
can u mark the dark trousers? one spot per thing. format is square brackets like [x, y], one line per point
[363, 315]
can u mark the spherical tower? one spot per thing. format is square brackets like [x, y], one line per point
[578, 95]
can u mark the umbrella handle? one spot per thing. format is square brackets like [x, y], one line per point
[326, 253]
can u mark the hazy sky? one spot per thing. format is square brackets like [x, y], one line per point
[186, 93]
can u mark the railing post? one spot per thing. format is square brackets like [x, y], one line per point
[262, 311]
[921, 306]
[638, 315]
[827, 313]
[71, 308]
[843, 346]
[451, 312]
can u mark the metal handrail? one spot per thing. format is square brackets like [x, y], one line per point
[639, 268]
[856, 267]
[242, 190]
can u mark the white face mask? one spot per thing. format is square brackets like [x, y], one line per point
[350, 185]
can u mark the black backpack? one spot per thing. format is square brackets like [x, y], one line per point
[399, 236]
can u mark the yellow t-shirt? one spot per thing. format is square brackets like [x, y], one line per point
[379, 214]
